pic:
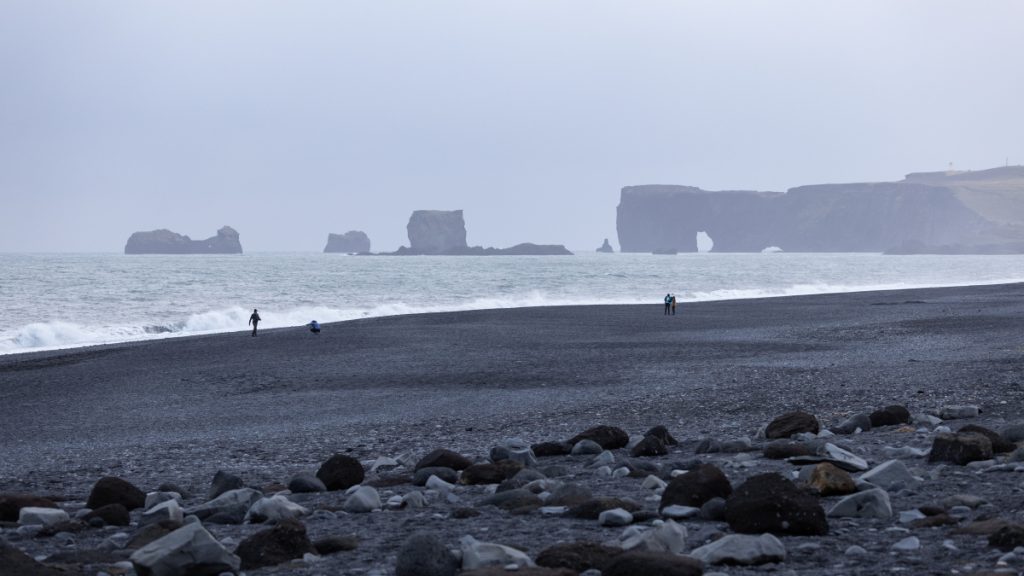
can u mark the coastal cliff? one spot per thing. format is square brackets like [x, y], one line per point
[166, 242]
[351, 242]
[935, 212]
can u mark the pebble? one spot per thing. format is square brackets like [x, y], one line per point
[908, 544]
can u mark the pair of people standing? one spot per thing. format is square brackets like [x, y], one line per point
[670, 304]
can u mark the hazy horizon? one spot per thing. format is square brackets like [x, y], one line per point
[292, 121]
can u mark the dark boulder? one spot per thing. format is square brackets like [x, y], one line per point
[335, 544]
[112, 514]
[551, 449]
[653, 564]
[606, 248]
[351, 242]
[449, 475]
[890, 416]
[999, 444]
[285, 541]
[14, 562]
[578, 556]
[792, 423]
[662, 433]
[487, 473]
[960, 448]
[167, 242]
[424, 554]
[223, 482]
[649, 446]
[609, 437]
[780, 449]
[341, 472]
[591, 509]
[771, 503]
[1008, 537]
[111, 490]
[696, 487]
[445, 459]
[11, 505]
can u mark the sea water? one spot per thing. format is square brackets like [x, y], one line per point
[67, 300]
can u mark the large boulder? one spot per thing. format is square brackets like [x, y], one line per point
[111, 490]
[285, 541]
[771, 503]
[186, 551]
[341, 472]
[222, 482]
[436, 231]
[17, 563]
[696, 487]
[351, 242]
[792, 423]
[166, 242]
[960, 448]
[424, 554]
[890, 415]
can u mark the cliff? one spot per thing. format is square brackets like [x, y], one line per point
[935, 212]
[443, 233]
[351, 242]
[167, 242]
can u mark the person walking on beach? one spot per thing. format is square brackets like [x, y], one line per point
[668, 303]
[673, 304]
[254, 319]
[314, 327]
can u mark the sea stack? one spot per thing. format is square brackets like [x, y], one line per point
[166, 242]
[436, 232]
[606, 248]
[351, 242]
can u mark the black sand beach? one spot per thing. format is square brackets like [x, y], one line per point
[264, 408]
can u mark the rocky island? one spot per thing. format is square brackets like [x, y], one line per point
[351, 242]
[978, 212]
[166, 242]
[443, 233]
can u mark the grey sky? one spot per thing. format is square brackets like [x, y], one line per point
[289, 120]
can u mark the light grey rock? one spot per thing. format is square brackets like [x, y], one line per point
[424, 554]
[604, 472]
[926, 419]
[168, 511]
[586, 447]
[188, 550]
[908, 544]
[668, 537]
[742, 549]
[435, 483]
[860, 421]
[365, 499]
[274, 509]
[855, 551]
[969, 500]
[515, 449]
[306, 482]
[383, 463]
[958, 412]
[33, 516]
[232, 502]
[154, 498]
[891, 475]
[476, 554]
[605, 458]
[553, 510]
[904, 452]
[868, 504]
[1013, 433]
[620, 472]
[615, 517]
[679, 512]
[414, 499]
[844, 458]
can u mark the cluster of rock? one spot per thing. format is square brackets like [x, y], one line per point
[443, 232]
[767, 500]
[167, 242]
[351, 242]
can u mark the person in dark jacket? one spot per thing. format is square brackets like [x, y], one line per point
[254, 319]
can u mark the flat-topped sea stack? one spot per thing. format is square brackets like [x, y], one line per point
[167, 242]
[932, 212]
[351, 242]
[443, 233]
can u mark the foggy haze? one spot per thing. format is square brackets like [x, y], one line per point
[290, 120]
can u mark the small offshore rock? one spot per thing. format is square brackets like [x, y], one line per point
[742, 549]
[677, 512]
[168, 513]
[591, 509]
[112, 490]
[908, 544]
[154, 498]
[890, 416]
[424, 554]
[792, 423]
[960, 448]
[341, 472]
[222, 482]
[488, 473]
[231, 504]
[11, 504]
[285, 541]
[667, 537]
[780, 449]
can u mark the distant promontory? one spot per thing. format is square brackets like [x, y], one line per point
[166, 242]
[980, 212]
[351, 242]
[443, 233]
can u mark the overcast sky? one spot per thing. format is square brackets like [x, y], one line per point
[291, 119]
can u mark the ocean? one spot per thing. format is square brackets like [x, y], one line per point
[50, 301]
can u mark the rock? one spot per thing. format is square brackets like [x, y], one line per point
[111, 490]
[586, 448]
[488, 473]
[960, 448]
[578, 556]
[365, 499]
[335, 544]
[285, 541]
[17, 563]
[890, 416]
[851, 424]
[833, 455]
[168, 513]
[649, 446]
[513, 500]
[792, 423]
[1007, 537]
[708, 446]
[713, 509]
[229, 505]
[436, 232]
[668, 537]
[609, 437]
[652, 564]
[606, 248]
[222, 482]
[891, 475]
[771, 503]
[958, 412]
[545, 449]
[1013, 433]
[306, 482]
[514, 449]
[341, 472]
[742, 549]
[569, 495]
[154, 498]
[999, 444]
[274, 509]
[983, 527]
[112, 514]
[166, 242]
[830, 480]
[11, 505]
[662, 433]
[424, 554]
[444, 459]
[968, 500]
[30, 515]
[737, 445]
[868, 504]
[351, 242]
[591, 509]
[464, 513]
[677, 512]
[476, 554]
[421, 476]
[615, 517]
[696, 487]
[502, 571]
[779, 449]
[185, 551]
[908, 544]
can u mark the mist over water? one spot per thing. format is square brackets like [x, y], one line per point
[69, 300]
